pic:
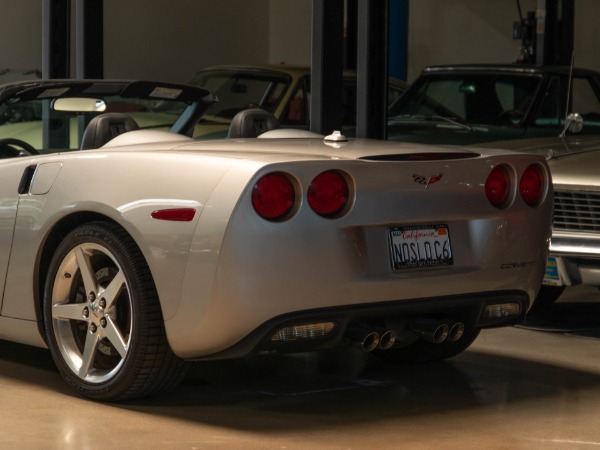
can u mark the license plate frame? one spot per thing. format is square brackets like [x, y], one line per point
[420, 247]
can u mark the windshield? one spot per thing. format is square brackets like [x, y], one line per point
[474, 99]
[238, 90]
[29, 118]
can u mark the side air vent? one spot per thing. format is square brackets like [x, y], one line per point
[421, 156]
[26, 179]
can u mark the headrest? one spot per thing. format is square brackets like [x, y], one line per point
[250, 123]
[104, 127]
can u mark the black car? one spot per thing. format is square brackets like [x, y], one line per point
[469, 104]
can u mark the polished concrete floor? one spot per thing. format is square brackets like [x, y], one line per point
[533, 387]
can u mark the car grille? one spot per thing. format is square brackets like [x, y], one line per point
[577, 211]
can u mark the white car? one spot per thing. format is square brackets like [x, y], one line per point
[574, 161]
[134, 248]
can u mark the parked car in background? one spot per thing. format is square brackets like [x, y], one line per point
[281, 90]
[574, 162]
[469, 104]
[144, 248]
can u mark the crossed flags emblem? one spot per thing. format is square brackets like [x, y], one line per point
[427, 180]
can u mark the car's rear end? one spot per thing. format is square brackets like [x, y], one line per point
[385, 245]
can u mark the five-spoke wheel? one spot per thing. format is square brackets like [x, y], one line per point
[103, 319]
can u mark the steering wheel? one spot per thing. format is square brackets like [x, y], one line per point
[11, 147]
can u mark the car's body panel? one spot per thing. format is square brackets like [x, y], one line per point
[150, 248]
[193, 262]
[346, 262]
[574, 162]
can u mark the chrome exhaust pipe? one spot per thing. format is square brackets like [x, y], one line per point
[457, 329]
[366, 340]
[431, 330]
[387, 339]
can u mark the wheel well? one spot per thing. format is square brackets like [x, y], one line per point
[51, 243]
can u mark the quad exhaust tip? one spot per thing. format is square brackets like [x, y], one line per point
[431, 330]
[365, 339]
[369, 340]
[387, 339]
[457, 329]
[436, 331]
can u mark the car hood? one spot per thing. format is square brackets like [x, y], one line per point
[580, 169]
[573, 160]
[551, 147]
[443, 133]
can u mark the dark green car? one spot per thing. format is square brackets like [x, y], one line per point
[470, 104]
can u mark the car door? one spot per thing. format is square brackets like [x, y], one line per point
[11, 172]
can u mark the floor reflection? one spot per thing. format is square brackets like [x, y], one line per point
[526, 388]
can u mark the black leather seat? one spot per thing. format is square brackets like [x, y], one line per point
[104, 127]
[253, 122]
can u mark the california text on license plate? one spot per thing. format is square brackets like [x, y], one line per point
[420, 246]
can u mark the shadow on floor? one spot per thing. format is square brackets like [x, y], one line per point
[280, 393]
[576, 313]
[277, 393]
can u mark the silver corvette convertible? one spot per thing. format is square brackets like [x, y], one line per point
[129, 248]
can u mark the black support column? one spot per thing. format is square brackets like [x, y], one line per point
[327, 61]
[56, 63]
[89, 39]
[372, 69]
[56, 19]
[555, 32]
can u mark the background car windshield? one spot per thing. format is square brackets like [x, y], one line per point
[481, 99]
[240, 90]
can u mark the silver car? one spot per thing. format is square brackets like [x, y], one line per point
[575, 245]
[128, 248]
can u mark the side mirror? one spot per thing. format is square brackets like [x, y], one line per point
[574, 123]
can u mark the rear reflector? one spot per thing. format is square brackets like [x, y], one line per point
[175, 215]
[501, 310]
[301, 332]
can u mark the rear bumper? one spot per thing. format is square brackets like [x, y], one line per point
[394, 315]
[577, 258]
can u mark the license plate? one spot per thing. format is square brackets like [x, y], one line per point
[420, 246]
[552, 275]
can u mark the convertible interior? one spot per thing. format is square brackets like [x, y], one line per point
[83, 115]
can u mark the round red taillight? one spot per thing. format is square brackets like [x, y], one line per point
[328, 193]
[273, 196]
[531, 185]
[497, 186]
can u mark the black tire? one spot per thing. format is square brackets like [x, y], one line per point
[104, 324]
[424, 351]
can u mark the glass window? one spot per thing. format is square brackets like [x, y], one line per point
[241, 90]
[549, 113]
[296, 111]
[480, 99]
